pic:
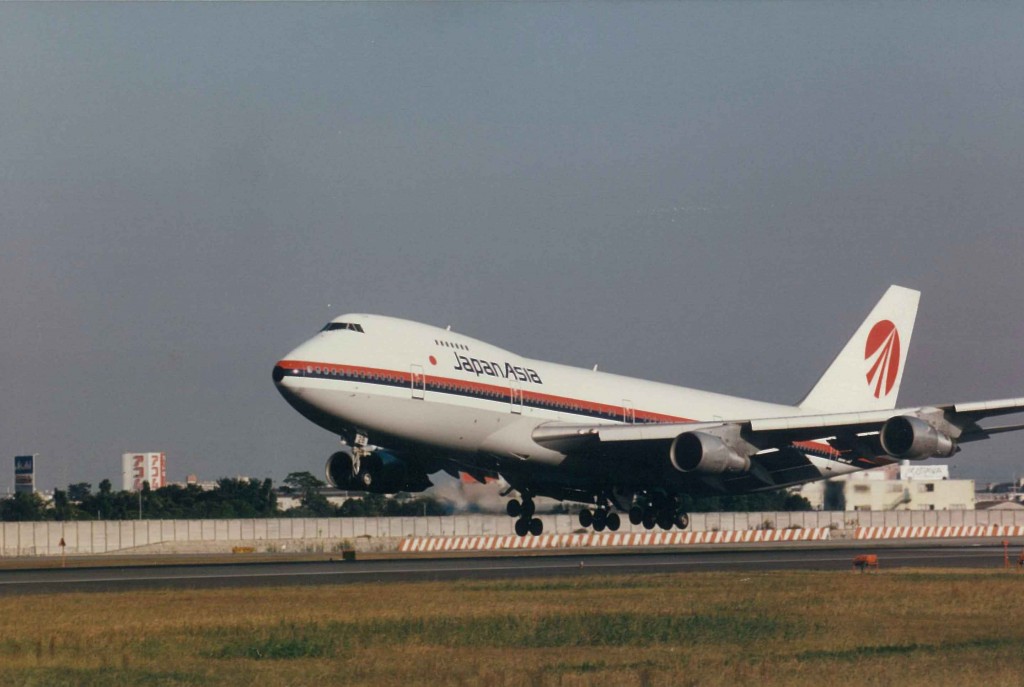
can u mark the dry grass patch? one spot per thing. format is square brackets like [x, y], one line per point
[779, 628]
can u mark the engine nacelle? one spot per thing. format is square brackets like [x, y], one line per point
[380, 472]
[706, 454]
[905, 436]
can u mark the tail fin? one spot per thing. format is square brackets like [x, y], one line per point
[867, 372]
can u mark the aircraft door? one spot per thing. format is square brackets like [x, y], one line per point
[516, 395]
[418, 381]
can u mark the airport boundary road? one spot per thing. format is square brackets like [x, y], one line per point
[271, 574]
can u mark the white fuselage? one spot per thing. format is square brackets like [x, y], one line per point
[405, 384]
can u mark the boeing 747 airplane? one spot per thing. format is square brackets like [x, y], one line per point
[409, 400]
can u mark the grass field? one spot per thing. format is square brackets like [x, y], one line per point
[781, 628]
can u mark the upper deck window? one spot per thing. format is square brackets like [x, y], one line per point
[332, 326]
[449, 344]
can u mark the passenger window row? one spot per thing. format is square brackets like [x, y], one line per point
[450, 344]
[355, 374]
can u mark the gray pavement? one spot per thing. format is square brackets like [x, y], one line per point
[269, 574]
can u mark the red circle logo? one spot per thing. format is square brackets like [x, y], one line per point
[882, 352]
[433, 360]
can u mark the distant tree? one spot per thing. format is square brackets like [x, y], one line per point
[105, 486]
[232, 498]
[246, 498]
[79, 491]
[23, 507]
[61, 506]
[796, 502]
[268, 499]
[307, 487]
[299, 482]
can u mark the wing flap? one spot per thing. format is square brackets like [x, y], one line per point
[782, 468]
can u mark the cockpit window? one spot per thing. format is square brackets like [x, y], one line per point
[332, 326]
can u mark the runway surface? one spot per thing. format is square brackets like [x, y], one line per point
[411, 569]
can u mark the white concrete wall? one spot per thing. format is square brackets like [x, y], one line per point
[152, 536]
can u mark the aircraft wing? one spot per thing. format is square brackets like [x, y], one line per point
[958, 421]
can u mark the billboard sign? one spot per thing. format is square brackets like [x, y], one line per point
[137, 468]
[24, 474]
[924, 472]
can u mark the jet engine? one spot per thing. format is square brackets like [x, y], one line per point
[380, 472]
[905, 436]
[706, 454]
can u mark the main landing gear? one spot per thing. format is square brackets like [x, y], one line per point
[600, 518]
[526, 523]
[662, 512]
[657, 510]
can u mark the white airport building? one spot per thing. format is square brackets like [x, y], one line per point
[893, 487]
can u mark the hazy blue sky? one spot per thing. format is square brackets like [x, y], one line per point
[705, 194]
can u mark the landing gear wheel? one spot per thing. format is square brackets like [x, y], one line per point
[586, 518]
[522, 527]
[514, 508]
[528, 508]
[664, 520]
[536, 526]
[600, 520]
[636, 515]
[648, 521]
[682, 520]
[613, 521]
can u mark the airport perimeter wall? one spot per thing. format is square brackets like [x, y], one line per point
[384, 534]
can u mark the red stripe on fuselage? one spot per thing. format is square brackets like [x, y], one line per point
[564, 402]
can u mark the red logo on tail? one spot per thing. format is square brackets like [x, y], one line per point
[883, 353]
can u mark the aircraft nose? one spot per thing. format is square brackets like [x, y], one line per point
[292, 363]
[285, 369]
[285, 376]
[279, 372]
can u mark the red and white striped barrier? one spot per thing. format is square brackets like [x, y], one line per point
[574, 541]
[938, 532]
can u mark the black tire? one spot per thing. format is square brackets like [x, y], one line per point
[664, 520]
[522, 527]
[536, 527]
[586, 518]
[514, 508]
[599, 526]
[682, 520]
[528, 509]
[636, 515]
[613, 522]
[648, 521]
